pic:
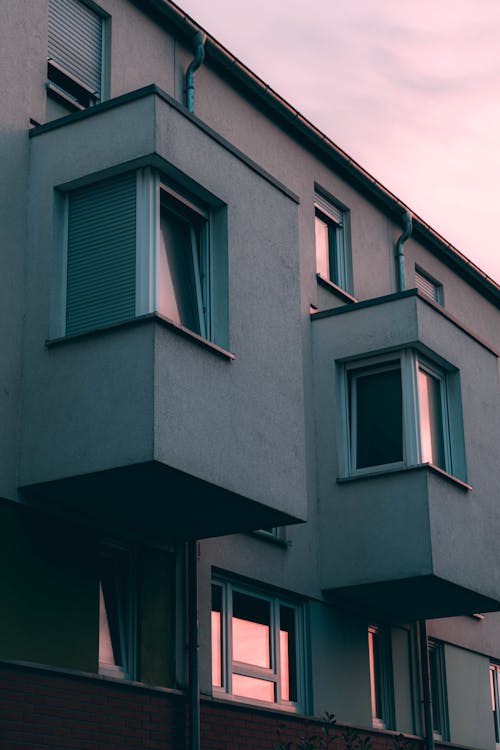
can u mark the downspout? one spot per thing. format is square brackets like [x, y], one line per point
[199, 39]
[193, 633]
[426, 686]
[400, 258]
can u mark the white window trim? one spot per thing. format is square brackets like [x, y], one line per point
[131, 645]
[409, 361]
[212, 288]
[337, 217]
[272, 674]
[438, 648]
[495, 699]
[386, 721]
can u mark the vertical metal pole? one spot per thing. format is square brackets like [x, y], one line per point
[193, 630]
[426, 686]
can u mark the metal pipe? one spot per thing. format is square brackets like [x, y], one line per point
[400, 259]
[199, 39]
[426, 686]
[193, 637]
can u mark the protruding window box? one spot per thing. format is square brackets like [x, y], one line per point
[163, 391]
[408, 422]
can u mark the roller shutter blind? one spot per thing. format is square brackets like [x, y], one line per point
[75, 41]
[101, 255]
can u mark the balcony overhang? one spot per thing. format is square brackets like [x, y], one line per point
[153, 502]
[421, 597]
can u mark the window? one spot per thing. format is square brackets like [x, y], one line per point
[256, 647]
[428, 286]
[495, 699]
[74, 68]
[136, 245]
[330, 239]
[381, 681]
[438, 690]
[116, 614]
[402, 411]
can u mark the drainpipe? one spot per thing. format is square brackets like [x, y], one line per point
[426, 686]
[199, 39]
[400, 258]
[193, 631]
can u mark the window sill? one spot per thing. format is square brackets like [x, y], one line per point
[88, 676]
[239, 702]
[185, 332]
[270, 538]
[332, 287]
[401, 469]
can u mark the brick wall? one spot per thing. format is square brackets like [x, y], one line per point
[41, 709]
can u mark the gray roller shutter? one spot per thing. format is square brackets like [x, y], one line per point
[101, 259]
[75, 41]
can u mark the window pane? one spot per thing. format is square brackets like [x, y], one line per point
[375, 660]
[322, 247]
[431, 419]
[217, 636]
[494, 701]
[379, 419]
[114, 608]
[436, 678]
[288, 656]
[252, 687]
[251, 630]
[176, 270]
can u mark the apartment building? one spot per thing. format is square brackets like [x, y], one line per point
[250, 410]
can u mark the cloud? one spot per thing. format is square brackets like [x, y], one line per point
[408, 89]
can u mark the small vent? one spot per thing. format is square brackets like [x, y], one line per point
[101, 254]
[428, 286]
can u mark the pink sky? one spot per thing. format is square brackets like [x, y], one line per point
[411, 90]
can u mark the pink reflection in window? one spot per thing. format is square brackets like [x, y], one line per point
[252, 687]
[251, 624]
[251, 643]
[216, 650]
[284, 668]
[431, 419]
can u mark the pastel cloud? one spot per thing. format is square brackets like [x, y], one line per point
[408, 89]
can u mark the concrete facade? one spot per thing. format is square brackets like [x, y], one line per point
[126, 442]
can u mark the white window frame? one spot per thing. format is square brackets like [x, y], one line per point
[129, 642]
[335, 218]
[385, 677]
[272, 675]
[409, 361]
[439, 702]
[211, 279]
[495, 699]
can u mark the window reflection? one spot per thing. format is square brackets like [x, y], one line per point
[217, 636]
[431, 419]
[252, 687]
[251, 627]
